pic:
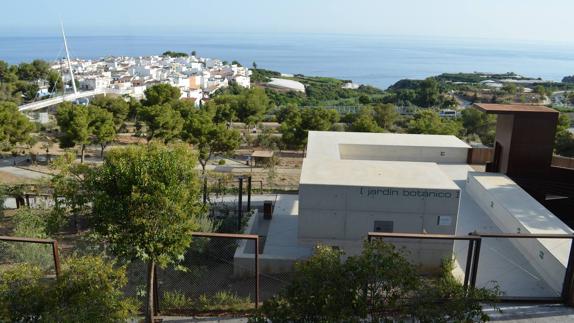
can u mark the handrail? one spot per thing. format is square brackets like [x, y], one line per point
[524, 235]
[475, 240]
[54, 243]
[422, 236]
[225, 235]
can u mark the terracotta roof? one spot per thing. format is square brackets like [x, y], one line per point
[512, 108]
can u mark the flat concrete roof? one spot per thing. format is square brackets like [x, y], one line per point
[367, 173]
[512, 108]
[325, 144]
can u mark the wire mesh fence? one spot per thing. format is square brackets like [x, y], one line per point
[214, 276]
[37, 252]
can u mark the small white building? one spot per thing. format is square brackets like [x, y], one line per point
[243, 81]
[355, 183]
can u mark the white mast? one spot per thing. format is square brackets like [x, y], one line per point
[68, 57]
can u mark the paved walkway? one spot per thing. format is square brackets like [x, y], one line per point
[24, 173]
[511, 313]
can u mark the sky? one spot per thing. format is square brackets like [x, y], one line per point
[530, 20]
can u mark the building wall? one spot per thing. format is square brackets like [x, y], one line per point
[343, 215]
[447, 155]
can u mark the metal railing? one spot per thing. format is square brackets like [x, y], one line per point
[53, 243]
[567, 287]
[473, 258]
[473, 248]
[251, 237]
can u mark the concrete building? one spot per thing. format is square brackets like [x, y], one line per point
[355, 183]
[243, 81]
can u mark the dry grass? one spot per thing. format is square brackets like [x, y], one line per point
[9, 179]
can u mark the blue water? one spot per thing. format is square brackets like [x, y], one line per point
[374, 60]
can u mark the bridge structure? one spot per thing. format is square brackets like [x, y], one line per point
[76, 95]
[42, 104]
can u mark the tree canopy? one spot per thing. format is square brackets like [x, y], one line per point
[428, 121]
[479, 123]
[209, 137]
[102, 127]
[364, 122]
[296, 123]
[175, 54]
[74, 123]
[116, 105]
[161, 94]
[15, 127]
[162, 122]
[564, 142]
[146, 204]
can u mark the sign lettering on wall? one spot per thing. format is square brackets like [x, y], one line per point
[371, 192]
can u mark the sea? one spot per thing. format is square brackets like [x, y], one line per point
[375, 60]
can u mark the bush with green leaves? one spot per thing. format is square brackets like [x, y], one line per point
[176, 301]
[88, 290]
[23, 295]
[379, 285]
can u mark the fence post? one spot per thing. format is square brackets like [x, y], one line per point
[155, 292]
[204, 189]
[56, 253]
[475, 261]
[257, 273]
[240, 205]
[569, 278]
[249, 194]
[468, 262]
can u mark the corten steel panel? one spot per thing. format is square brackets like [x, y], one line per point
[526, 141]
[532, 144]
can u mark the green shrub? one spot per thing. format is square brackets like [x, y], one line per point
[221, 301]
[221, 162]
[175, 300]
[379, 285]
[228, 301]
[88, 290]
[22, 294]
